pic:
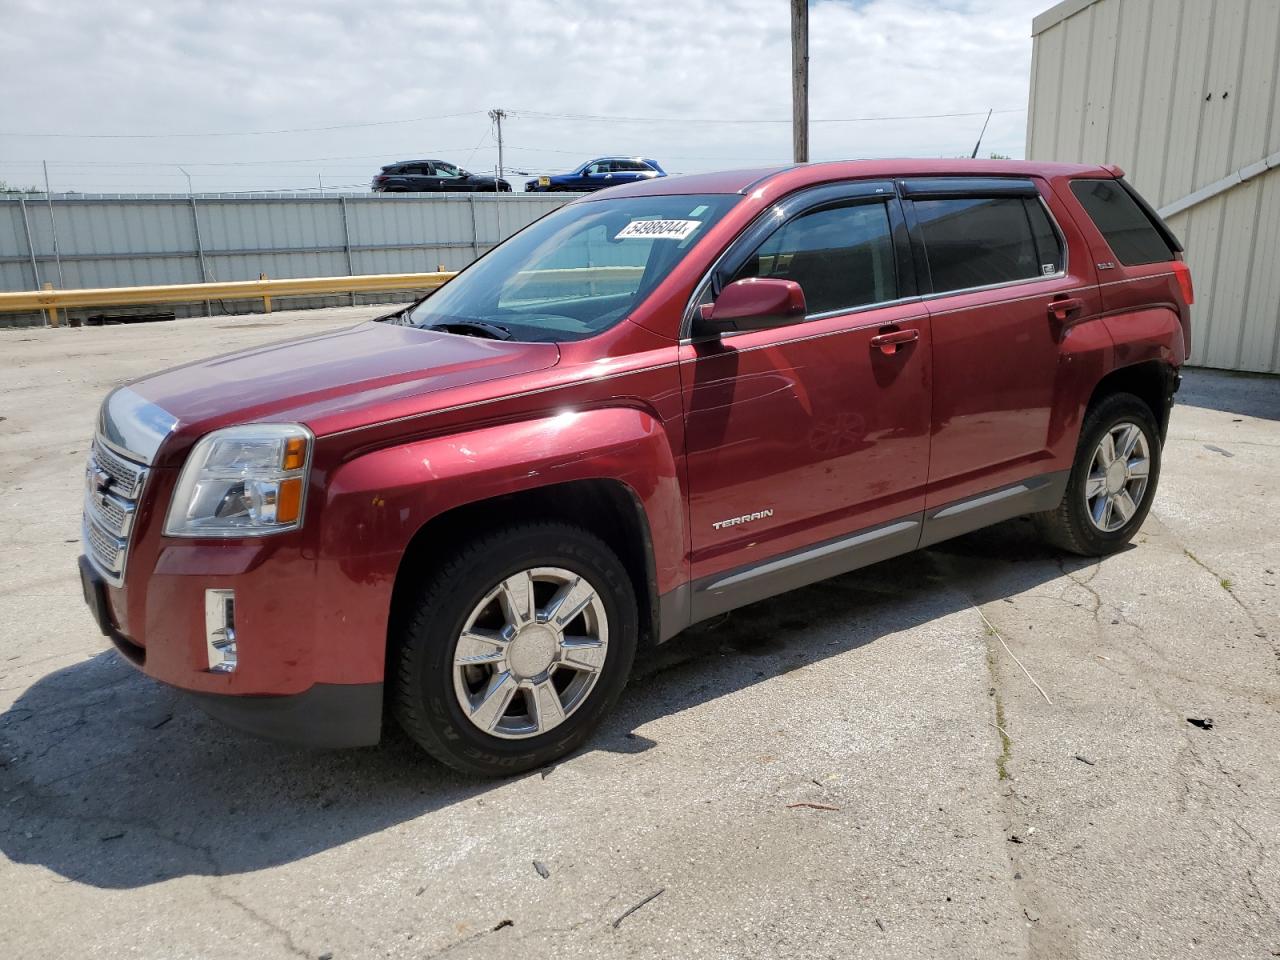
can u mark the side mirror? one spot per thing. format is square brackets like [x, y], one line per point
[757, 303]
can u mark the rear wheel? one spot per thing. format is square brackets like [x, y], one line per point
[517, 647]
[1113, 479]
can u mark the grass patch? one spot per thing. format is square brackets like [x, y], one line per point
[1006, 744]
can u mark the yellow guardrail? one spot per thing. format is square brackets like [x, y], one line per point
[51, 301]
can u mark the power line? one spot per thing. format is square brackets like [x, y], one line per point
[527, 114]
[593, 118]
[215, 163]
[243, 133]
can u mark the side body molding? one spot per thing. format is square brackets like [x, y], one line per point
[376, 503]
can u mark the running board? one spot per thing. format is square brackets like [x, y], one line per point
[973, 513]
[737, 588]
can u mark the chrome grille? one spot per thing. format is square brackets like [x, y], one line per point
[126, 475]
[116, 514]
[112, 487]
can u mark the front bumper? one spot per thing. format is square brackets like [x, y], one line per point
[327, 715]
[323, 715]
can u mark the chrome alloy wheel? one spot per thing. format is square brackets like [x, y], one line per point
[530, 652]
[1118, 477]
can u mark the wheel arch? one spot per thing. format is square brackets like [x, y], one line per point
[607, 507]
[1151, 381]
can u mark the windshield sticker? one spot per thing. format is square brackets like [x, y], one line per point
[699, 210]
[658, 229]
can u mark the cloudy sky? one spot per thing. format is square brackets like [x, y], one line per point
[269, 94]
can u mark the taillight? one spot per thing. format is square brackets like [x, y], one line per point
[1183, 273]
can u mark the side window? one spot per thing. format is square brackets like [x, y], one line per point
[842, 257]
[445, 170]
[628, 166]
[1132, 236]
[977, 241]
[1048, 243]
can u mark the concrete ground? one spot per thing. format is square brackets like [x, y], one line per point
[857, 769]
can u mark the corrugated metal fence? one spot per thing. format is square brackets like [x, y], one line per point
[104, 240]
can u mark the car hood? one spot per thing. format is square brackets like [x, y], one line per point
[333, 381]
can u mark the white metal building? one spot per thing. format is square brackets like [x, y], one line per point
[1183, 95]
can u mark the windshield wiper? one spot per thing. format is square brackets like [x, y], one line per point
[473, 328]
[400, 318]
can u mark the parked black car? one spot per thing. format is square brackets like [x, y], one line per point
[434, 176]
[598, 174]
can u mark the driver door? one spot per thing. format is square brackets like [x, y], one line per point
[808, 444]
[445, 177]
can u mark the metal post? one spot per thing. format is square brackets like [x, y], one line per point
[50, 313]
[204, 269]
[346, 243]
[498, 116]
[53, 223]
[800, 80]
[35, 267]
[475, 231]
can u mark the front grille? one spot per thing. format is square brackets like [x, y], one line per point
[113, 485]
[126, 475]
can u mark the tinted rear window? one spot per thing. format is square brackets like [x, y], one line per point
[1133, 238]
[977, 241]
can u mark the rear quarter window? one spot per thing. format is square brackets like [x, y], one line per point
[1133, 238]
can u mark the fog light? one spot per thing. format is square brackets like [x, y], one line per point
[220, 629]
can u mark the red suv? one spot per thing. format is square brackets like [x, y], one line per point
[655, 404]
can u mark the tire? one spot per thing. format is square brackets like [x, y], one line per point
[1075, 525]
[427, 685]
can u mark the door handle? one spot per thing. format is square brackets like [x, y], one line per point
[890, 341]
[1062, 308]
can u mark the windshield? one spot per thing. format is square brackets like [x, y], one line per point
[575, 272]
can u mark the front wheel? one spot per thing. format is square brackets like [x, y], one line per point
[514, 651]
[1113, 479]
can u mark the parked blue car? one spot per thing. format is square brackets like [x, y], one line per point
[598, 174]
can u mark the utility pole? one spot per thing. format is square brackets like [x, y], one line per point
[497, 116]
[800, 80]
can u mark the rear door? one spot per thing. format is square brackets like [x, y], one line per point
[801, 435]
[1002, 292]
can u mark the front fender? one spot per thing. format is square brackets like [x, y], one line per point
[375, 504]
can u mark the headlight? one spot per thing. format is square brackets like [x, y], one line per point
[243, 482]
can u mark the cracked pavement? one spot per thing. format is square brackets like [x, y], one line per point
[821, 775]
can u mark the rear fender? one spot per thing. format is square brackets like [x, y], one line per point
[376, 503]
[1086, 354]
[1154, 333]
[1095, 350]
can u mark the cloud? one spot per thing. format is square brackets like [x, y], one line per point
[94, 67]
